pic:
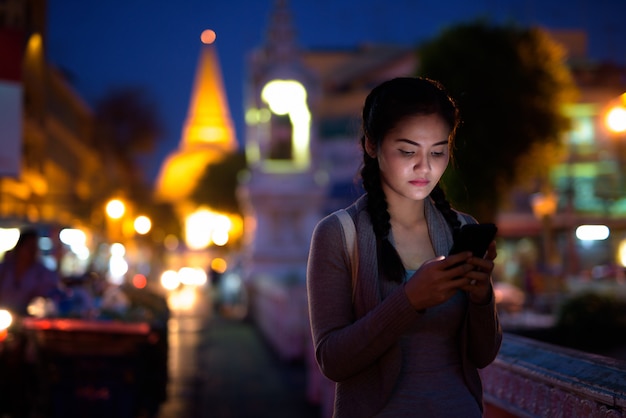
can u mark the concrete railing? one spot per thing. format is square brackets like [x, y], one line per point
[534, 379]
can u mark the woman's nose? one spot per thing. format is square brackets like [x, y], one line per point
[421, 164]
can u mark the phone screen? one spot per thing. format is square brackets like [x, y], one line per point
[475, 238]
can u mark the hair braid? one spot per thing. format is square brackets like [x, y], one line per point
[439, 198]
[389, 260]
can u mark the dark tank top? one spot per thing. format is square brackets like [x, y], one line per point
[431, 380]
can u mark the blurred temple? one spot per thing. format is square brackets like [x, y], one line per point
[207, 138]
[207, 135]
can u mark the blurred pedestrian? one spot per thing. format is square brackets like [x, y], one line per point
[23, 276]
[407, 335]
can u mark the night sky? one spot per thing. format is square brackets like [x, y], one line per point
[154, 44]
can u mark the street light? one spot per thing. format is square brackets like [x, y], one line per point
[615, 122]
[204, 227]
[142, 224]
[115, 208]
[615, 119]
[544, 206]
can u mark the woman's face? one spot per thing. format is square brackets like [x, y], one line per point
[412, 157]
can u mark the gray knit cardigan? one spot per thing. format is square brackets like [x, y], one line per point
[357, 344]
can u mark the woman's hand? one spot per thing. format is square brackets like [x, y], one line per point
[437, 280]
[477, 281]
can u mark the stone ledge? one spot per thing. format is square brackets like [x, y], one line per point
[534, 379]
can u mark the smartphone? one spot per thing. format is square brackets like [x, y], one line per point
[475, 238]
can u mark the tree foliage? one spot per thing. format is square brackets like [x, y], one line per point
[218, 184]
[510, 84]
[127, 128]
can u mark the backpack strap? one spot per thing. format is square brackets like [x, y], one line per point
[349, 232]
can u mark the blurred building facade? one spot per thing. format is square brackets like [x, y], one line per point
[52, 172]
[585, 188]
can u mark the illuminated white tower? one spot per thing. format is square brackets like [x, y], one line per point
[282, 195]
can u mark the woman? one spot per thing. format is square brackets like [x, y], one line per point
[408, 336]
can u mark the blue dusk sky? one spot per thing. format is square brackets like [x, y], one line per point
[155, 44]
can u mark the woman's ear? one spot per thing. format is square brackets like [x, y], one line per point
[370, 148]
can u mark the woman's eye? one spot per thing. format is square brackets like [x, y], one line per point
[406, 153]
[438, 154]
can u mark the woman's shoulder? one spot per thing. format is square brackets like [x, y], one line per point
[328, 221]
[358, 206]
[332, 221]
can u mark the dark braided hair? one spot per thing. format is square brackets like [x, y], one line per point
[387, 105]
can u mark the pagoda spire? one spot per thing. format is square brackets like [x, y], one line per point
[207, 134]
[208, 122]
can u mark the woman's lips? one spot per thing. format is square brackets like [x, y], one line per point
[419, 183]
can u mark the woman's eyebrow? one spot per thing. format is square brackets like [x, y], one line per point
[408, 141]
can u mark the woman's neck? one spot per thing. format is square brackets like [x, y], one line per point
[406, 214]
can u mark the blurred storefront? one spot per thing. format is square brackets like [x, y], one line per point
[580, 234]
[53, 175]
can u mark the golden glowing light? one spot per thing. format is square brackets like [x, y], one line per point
[208, 36]
[72, 237]
[221, 229]
[219, 265]
[8, 238]
[283, 96]
[169, 280]
[621, 253]
[115, 209]
[544, 204]
[142, 224]
[35, 42]
[289, 97]
[198, 229]
[616, 119]
[220, 237]
[5, 319]
[192, 276]
[204, 227]
[118, 266]
[183, 300]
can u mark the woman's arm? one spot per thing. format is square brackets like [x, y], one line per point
[484, 333]
[344, 345]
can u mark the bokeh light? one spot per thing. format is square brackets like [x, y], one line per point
[115, 209]
[142, 224]
[616, 119]
[208, 36]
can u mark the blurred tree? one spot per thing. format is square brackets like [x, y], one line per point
[218, 184]
[127, 129]
[510, 84]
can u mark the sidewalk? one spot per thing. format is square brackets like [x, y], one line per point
[238, 376]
